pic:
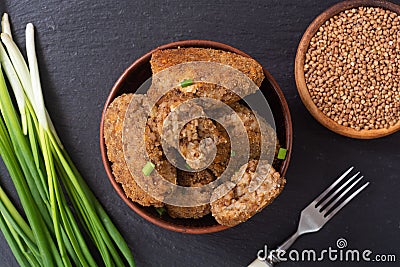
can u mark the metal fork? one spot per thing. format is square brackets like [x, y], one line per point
[317, 214]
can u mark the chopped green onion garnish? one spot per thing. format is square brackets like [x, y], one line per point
[188, 166]
[233, 153]
[148, 168]
[160, 211]
[282, 153]
[186, 82]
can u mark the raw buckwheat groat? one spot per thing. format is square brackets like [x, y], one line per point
[352, 68]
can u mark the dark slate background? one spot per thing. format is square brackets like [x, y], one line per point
[85, 45]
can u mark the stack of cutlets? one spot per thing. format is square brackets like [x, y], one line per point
[240, 203]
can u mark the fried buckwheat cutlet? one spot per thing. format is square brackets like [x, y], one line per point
[255, 125]
[258, 132]
[113, 126]
[191, 179]
[221, 160]
[163, 59]
[131, 188]
[113, 132]
[188, 212]
[239, 204]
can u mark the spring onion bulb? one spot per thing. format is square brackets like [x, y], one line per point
[5, 25]
[35, 80]
[15, 85]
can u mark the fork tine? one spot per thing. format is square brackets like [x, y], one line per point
[323, 194]
[346, 201]
[326, 201]
[341, 195]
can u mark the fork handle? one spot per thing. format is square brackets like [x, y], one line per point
[272, 258]
[289, 242]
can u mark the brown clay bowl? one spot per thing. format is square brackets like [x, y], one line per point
[299, 70]
[139, 72]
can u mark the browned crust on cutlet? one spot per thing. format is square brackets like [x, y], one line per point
[131, 188]
[191, 179]
[188, 212]
[239, 204]
[163, 59]
[259, 132]
[113, 129]
[113, 126]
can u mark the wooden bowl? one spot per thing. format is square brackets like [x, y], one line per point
[299, 70]
[139, 72]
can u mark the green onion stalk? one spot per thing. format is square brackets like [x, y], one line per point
[40, 168]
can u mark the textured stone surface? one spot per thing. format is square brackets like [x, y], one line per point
[85, 45]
